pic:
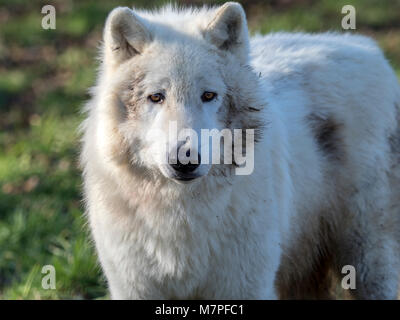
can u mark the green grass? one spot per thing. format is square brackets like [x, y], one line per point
[44, 77]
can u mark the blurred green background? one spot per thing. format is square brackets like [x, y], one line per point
[44, 78]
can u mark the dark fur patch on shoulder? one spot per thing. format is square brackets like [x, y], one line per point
[326, 132]
[394, 138]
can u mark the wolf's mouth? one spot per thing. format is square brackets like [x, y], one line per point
[184, 179]
[180, 177]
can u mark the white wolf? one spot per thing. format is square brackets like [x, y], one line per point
[325, 188]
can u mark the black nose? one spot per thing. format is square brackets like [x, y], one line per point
[186, 168]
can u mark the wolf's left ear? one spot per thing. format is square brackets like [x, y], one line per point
[228, 30]
[125, 34]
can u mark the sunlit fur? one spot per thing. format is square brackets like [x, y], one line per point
[325, 187]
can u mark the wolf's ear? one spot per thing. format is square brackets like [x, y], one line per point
[228, 30]
[125, 35]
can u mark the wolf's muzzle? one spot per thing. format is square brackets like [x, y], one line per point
[184, 171]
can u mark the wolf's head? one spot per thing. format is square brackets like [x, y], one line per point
[171, 74]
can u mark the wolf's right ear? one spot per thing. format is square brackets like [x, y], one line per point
[228, 30]
[125, 35]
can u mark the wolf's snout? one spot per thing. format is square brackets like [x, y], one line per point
[186, 167]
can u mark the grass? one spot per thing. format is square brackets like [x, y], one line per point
[44, 77]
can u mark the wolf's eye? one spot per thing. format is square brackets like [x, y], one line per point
[156, 98]
[208, 96]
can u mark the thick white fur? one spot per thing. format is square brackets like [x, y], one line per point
[260, 235]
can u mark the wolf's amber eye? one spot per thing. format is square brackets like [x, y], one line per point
[208, 96]
[156, 98]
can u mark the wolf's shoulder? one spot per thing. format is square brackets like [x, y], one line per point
[286, 42]
[289, 53]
